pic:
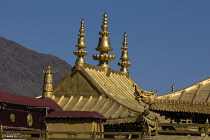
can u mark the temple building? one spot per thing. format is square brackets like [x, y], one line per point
[74, 121]
[117, 97]
[20, 115]
[23, 113]
[96, 98]
[99, 88]
[67, 121]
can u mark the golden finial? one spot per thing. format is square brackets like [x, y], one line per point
[104, 46]
[104, 27]
[124, 57]
[81, 45]
[48, 81]
[172, 88]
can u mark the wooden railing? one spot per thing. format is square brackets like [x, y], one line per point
[189, 129]
[44, 135]
[204, 129]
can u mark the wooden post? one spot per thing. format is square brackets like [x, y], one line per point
[156, 123]
[46, 133]
[207, 127]
[1, 132]
[94, 133]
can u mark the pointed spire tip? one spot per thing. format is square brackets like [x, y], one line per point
[124, 57]
[81, 45]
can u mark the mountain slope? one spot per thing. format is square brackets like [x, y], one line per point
[21, 69]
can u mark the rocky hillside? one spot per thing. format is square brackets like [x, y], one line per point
[21, 69]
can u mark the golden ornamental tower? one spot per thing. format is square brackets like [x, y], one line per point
[124, 57]
[48, 86]
[81, 45]
[104, 46]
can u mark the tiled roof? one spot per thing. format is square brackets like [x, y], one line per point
[181, 106]
[117, 86]
[75, 114]
[199, 92]
[88, 88]
[28, 101]
[193, 99]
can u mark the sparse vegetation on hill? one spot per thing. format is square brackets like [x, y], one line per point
[21, 69]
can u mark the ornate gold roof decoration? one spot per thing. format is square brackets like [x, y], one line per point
[48, 80]
[81, 45]
[199, 91]
[104, 46]
[146, 97]
[172, 88]
[180, 106]
[124, 57]
[192, 99]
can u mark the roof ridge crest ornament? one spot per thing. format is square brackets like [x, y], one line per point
[81, 45]
[104, 46]
[172, 88]
[48, 83]
[124, 57]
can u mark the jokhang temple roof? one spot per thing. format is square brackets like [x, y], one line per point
[95, 91]
[193, 99]
[98, 88]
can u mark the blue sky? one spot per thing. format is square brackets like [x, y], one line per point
[168, 40]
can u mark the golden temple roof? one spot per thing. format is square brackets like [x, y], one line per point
[98, 88]
[89, 88]
[197, 92]
[181, 106]
[193, 99]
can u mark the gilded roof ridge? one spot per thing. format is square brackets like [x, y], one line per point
[100, 69]
[102, 90]
[92, 67]
[180, 102]
[88, 66]
[117, 72]
[184, 89]
[96, 77]
[114, 72]
[181, 106]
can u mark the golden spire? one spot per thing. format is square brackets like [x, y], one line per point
[124, 57]
[104, 46]
[48, 80]
[172, 88]
[81, 45]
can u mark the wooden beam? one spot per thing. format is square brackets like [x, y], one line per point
[66, 105]
[104, 105]
[86, 104]
[78, 102]
[196, 92]
[110, 109]
[180, 97]
[61, 98]
[117, 112]
[96, 104]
